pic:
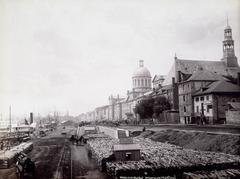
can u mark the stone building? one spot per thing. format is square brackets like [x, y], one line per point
[157, 81]
[102, 113]
[141, 82]
[186, 74]
[188, 87]
[212, 99]
[121, 108]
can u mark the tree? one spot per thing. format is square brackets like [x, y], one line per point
[145, 108]
[160, 104]
[150, 107]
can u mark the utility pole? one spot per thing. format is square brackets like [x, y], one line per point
[10, 120]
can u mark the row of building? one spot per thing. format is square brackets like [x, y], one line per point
[196, 89]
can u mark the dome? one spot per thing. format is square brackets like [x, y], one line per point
[141, 72]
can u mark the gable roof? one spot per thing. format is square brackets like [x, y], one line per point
[191, 66]
[158, 77]
[205, 75]
[219, 87]
[234, 105]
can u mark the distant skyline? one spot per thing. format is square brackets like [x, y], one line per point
[71, 55]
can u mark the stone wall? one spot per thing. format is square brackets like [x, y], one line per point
[233, 117]
[220, 106]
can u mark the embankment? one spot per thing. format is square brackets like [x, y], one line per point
[204, 141]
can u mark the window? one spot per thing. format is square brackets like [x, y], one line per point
[202, 98]
[146, 82]
[209, 107]
[207, 97]
[197, 99]
[128, 155]
[142, 82]
[184, 109]
[184, 98]
[197, 109]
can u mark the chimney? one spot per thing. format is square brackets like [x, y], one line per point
[238, 79]
[179, 79]
[173, 80]
[31, 117]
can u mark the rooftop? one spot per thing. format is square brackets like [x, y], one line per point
[219, 87]
[122, 147]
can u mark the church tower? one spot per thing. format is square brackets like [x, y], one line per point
[228, 48]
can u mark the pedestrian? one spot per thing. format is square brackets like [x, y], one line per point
[1, 146]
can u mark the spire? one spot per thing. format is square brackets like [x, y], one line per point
[175, 56]
[227, 21]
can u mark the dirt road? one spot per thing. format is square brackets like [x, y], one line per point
[56, 158]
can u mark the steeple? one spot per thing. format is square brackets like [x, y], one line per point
[228, 48]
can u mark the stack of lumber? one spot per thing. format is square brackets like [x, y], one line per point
[8, 157]
[229, 173]
[101, 147]
[167, 155]
[162, 156]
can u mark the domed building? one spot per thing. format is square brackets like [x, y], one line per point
[141, 81]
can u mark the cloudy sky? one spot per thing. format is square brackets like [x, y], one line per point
[70, 55]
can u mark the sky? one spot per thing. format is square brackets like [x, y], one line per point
[71, 55]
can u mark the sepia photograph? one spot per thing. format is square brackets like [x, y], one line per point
[119, 89]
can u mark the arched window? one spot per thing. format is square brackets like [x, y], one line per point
[141, 82]
[138, 82]
[146, 82]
